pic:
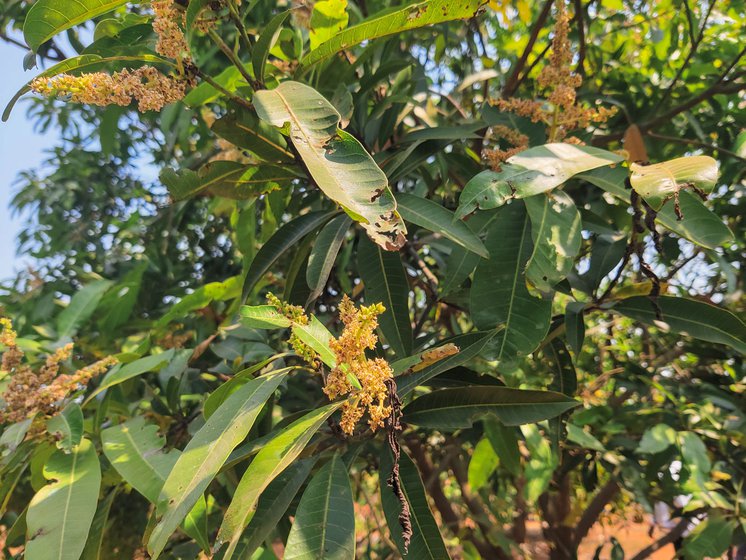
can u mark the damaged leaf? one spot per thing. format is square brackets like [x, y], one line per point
[658, 182]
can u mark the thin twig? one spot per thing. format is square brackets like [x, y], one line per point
[232, 96]
[698, 143]
[227, 51]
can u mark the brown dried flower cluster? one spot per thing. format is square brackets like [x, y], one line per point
[349, 349]
[30, 393]
[167, 25]
[560, 110]
[149, 87]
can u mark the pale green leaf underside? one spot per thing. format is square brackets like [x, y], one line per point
[338, 163]
[659, 181]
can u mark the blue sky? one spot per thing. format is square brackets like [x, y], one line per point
[20, 148]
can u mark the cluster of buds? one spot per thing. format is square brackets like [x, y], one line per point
[297, 316]
[150, 88]
[349, 350]
[32, 393]
[167, 24]
[560, 110]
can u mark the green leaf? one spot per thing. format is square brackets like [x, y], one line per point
[529, 173]
[607, 252]
[324, 526]
[700, 225]
[76, 64]
[263, 317]
[274, 502]
[499, 295]
[121, 374]
[201, 297]
[575, 325]
[67, 427]
[265, 43]
[46, 18]
[229, 179]
[317, 336]
[119, 302]
[582, 438]
[328, 18]
[434, 217]
[505, 443]
[385, 282]
[205, 454]
[93, 546]
[284, 239]
[426, 542]
[324, 253]
[483, 463]
[82, 305]
[556, 233]
[411, 17]
[452, 409]
[271, 460]
[218, 396]
[694, 318]
[336, 160]
[60, 514]
[136, 451]
[244, 129]
[657, 182]
[656, 439]
[709, 539]
[694, 452]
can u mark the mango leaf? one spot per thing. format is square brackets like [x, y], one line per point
[499, 295]
[317, 336]
[656, 439]
[328, 18]
[529, 173]
[205, 454]
[60, 514]
[324, 525]
[453, 409]
[709, 539]
[385, 282]
[118, 303]
[575, 325]
[690, 317]
[263, 317]
[120, 374]
[271, 460]
[46, 18]
[324, 253]
[94, 545]
[282, 241]
[336, 160]
[67, 427]
[426, 542]
[136, 451]
[607, 252]
[266, 41]
[77, 64]
[482, 464]
[556, 233]
[81, 307]
[244, 129]
[505, 443]
[700, 225]
[434, 217]
[274, 503]
[411, 17]
[660, 181]
[202, 297]
[229, 179]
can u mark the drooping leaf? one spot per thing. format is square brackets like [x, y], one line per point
[136, 451]
[659, 181]
[271, 460]
[94, 545]
[324, 526]
[385, 282]
[205, 454]
[452, 409]
[47, 18]
[426, 542]
[283, 240]
[411, 17]
[81, 307]
[700, 225]
[274, 502]
[328, 18]
[555, 230]
[337, 161]
[575, 325]
[607, 252]
[229, 179]
[434, 217]
[505, 443]
[244, 129]
[482, 464]
[529, 173]
[324, 253]
[67, 427]
[695, 318]
[266, 41]
[499, 295]
[60, 514]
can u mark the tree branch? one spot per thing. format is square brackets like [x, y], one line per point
[594, 509]
[672, 536]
